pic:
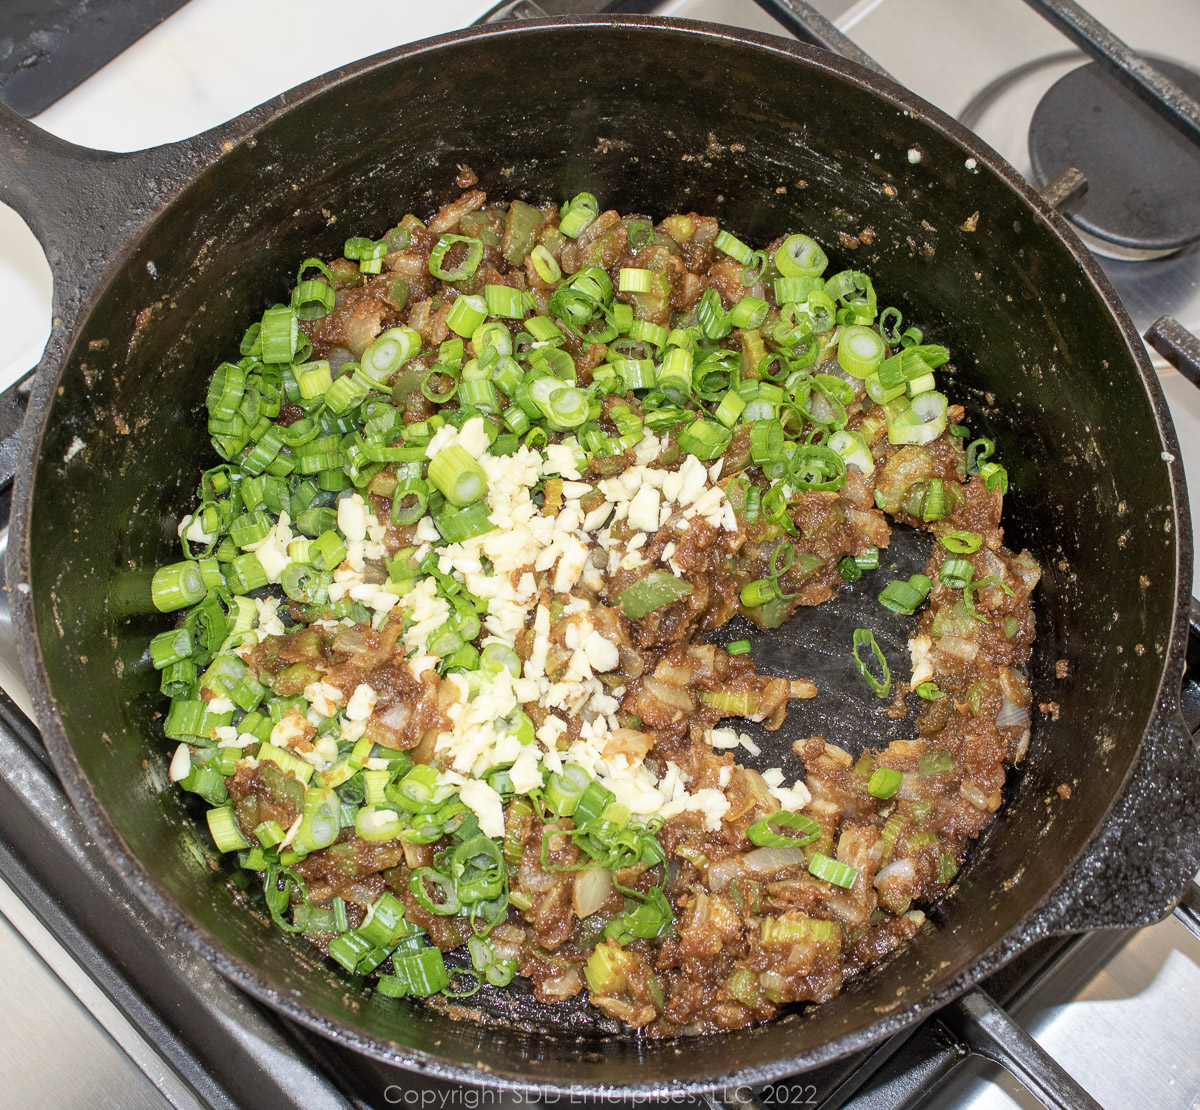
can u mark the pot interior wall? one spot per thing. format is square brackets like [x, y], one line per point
[652, 121]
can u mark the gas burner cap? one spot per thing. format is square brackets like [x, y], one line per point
[1142, 199]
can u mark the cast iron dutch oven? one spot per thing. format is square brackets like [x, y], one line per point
[162, 258]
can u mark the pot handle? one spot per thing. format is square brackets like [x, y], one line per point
[84, 204]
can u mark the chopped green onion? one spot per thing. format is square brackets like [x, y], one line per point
[734, 247]
[578, 215]
[763, 833]
[321, 821]
[935, 501]
[459, 477]
[631, 280]
[881, 687]
[994, 476]
[849, 569]
[853, 449]
[542, 328]
[730, 409]
[505, 301]
[279, 335]
[169, 648]
[269, 833]
[905, 597]
[962, 542]
[314, 298]
[929, 691]
[465, 315]
[704, 439]
[226, 833]
[868, 559]
[391, 350]
[460, 524]
[472, 255]
[313, 378]
[795, 290]
[956, 572]
[738, 647]
[562, 405]
[759, 592]
[377, 823]
[749, 312]
[367, 253]
[711, 315]
[922, 422]
[675, 375]
[422, 972]
[800, 256]
[738, 703]
[545, 265]
[643, 331]
[860, 351]
[829, 869]
[766, 441]
[177, 586]
[564, 790]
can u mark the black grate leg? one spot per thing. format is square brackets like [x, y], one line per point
[809, 25]
[1188, 910]
[988, 1031]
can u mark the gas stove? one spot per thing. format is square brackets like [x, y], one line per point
[146, 1026]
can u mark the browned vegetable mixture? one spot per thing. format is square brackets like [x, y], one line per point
[444, 677]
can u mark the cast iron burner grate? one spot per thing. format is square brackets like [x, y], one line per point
[1142, 200]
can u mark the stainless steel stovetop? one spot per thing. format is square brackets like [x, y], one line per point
[1121, 1014]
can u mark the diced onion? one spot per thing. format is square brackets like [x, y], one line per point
[903, 870]
[591, 890]
[1012, 715]
[768, 861]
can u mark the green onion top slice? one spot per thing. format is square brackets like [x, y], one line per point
[956, 572]
[763, 833]
[734, 247]
[905, 597]
[962, 542]
[881, 687]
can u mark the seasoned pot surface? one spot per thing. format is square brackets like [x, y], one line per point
[656, 118]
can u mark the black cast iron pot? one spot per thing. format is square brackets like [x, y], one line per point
[162, 258]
